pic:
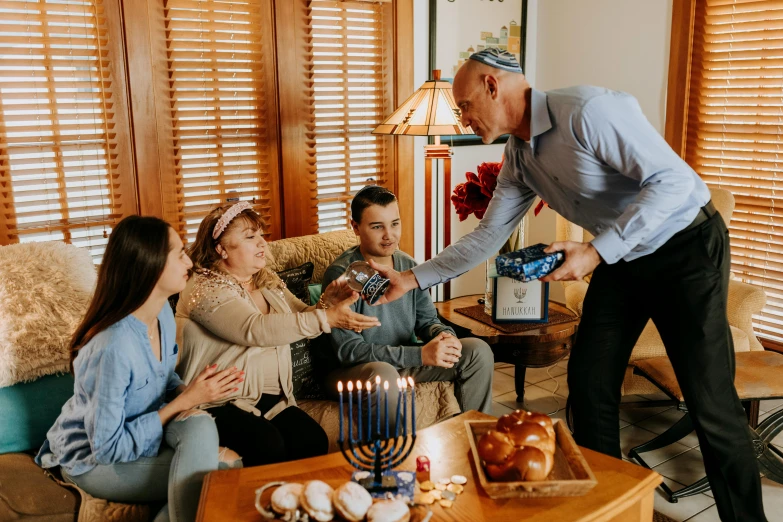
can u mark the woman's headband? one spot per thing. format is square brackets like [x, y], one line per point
[228, 216]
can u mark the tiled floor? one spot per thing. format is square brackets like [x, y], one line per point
[546, 391]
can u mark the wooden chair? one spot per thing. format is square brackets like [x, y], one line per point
[758, 377]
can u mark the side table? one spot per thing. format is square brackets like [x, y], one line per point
[534, 348]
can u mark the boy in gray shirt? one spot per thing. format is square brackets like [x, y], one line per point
[389, 350]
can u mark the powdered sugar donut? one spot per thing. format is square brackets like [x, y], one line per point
[316, 499]
[286, 498]
[351, 501]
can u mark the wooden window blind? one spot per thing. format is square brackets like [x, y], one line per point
[219, 63]
[350, 94]
[734, 134]
[65, 170]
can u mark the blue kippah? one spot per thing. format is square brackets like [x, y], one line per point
[498, 58]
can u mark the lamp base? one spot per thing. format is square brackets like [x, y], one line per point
[438, 151]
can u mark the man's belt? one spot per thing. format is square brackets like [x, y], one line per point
[705, 213]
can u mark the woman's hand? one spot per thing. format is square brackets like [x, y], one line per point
[337, 291]
[211, 386]
[341, 316]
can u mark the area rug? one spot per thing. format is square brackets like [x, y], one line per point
[660, 517]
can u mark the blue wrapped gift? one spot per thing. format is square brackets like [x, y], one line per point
[529, 263]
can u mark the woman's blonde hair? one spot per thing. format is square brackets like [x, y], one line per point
[203, 252]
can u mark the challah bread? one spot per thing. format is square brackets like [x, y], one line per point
[495, 447]
[531, 434]
[521, 448]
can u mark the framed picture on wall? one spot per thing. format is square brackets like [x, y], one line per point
[517, 302]
[459, 28]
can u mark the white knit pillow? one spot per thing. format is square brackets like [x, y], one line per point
[45, 289]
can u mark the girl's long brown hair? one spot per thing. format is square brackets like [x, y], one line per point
[203, 251]
[135, 257]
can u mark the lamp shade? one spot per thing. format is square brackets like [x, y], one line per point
[430, 111]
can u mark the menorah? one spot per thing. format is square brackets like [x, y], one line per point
[520, 294]
[371, 449]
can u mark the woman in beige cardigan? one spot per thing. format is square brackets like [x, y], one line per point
[234, 312]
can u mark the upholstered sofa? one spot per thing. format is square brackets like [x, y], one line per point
[32, 389]
[744, 301]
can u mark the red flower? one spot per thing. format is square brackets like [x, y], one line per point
[488, 177]
[472, 197]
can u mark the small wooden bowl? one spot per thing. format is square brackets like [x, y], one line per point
[570, 475]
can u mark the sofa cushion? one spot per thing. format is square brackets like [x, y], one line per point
[29, 409]
[321, 249]
[315, 293]
[45, 289]
[297, 280]
[27, 493]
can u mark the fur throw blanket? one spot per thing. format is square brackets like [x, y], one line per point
[45, 289]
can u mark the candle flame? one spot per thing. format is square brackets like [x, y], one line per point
[404, 383]
[398, 384]
[410, 381]
[358, 385]
[386, 385]
[340, 386]
[369, 386]
[378, 380]
[350, 386]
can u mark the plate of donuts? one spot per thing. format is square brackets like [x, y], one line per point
[319, 501]
[527, 454]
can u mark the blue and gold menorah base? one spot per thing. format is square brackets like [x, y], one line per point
[396, 482]
[375, 460]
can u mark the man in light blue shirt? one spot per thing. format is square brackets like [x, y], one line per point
[660, 252]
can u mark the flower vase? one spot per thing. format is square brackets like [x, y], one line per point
[514, 243]
[488, 286]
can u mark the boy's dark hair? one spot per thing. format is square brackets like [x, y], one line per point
[370, 195]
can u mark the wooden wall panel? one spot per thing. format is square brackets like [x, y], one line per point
[678, 89]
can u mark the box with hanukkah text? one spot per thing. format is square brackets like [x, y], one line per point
[528, 264]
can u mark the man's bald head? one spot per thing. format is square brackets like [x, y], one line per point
[491, 100]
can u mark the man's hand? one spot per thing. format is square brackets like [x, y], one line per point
[400, 283]
[443, 350]
[580, 260]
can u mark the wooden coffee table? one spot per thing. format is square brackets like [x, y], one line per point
[535, 348]
[624, 492]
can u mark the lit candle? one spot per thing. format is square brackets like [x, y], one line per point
[378, 409]
[369, 411]
[399, 403]
[404, 407]
[413, 405]
[350, 411]
[340, 391]
[359, 402]
[386, 405]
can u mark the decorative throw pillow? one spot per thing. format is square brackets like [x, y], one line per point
[315, 293]
[297, 279]
[306, 381]
[45, 289]
[306, 385]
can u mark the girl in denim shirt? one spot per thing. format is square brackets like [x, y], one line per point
[118, 437]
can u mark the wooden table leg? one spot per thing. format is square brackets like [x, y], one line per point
[752, 412]
[519, 381]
